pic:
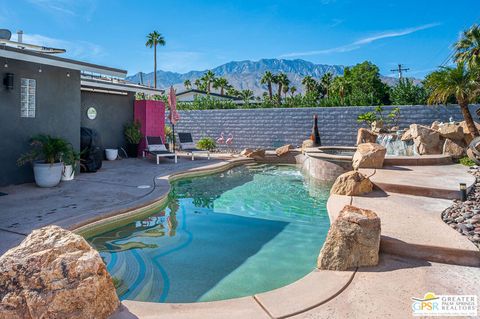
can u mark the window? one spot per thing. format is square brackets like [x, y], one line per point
[27, 97]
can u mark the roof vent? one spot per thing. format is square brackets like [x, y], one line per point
[5, 34]
[20, 36]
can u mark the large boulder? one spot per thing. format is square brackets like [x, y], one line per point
[451, 131]
[353, 240]
[246, 152]
[256, 154]
[54, 273]
[407, 135]
[369, 155]
[467, 135]
[365, 136]
[456, 149]
[426, 140]
[283, 150]
[352, 183]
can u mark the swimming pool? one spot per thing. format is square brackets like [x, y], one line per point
[244, 231]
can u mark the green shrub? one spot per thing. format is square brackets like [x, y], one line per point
[132, 132]
[206, 143]
[467, 161]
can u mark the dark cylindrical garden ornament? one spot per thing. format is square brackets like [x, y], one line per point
[315, 136]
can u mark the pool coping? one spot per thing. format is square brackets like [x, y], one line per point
[326, 284]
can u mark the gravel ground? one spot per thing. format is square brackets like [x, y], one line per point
[465, 216]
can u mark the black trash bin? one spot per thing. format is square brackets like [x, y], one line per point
[92, 150]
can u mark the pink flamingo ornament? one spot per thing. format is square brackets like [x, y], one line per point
[221, 139]
[229, 140]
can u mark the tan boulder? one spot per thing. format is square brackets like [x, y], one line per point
[407, 136]
[365, 136]
[369, 155]
[246, 152]
[54, 273]
[435, 125]
[454, 148]
[352, 183]
[426, 140]
[467, 136]
[353, 240]
[451, 131]
[256, 154]
[283, 150]
[473, 156]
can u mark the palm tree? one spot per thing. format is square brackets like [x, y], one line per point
[153, 39]
[208, 78]
[200, 85]
[293, 89]
[231, 91]
[285, 90]
[458, 82]
[267, 79]
[281, 80]
[467, 49]
[246, 95]
[187, 84]
[220, 83]
[326, 83]
[309, 83]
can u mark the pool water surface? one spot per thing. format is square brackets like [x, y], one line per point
[244, 231]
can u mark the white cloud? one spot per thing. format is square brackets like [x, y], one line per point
[361, 42]
[75, 49]
[62, 8]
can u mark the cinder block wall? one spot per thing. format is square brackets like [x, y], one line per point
[270, 128]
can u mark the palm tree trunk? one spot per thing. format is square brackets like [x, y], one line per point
[221, 90]
[468, 119]
[155, 63]
[279, 93]
[270, 90]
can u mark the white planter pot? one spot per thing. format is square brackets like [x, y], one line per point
[47, 175]
[68, 173]
[111, 153]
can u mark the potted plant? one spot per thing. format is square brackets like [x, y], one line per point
[133, 137]
[46, 154]
[70, 161]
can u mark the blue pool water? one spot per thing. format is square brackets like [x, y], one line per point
[244, 231]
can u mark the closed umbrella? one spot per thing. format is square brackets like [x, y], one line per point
[173, 116]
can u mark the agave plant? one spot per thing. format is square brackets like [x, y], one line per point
[47, 148]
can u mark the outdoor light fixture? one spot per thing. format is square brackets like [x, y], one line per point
[463, 191]
[68, 74]
[5, 65]
[8, 81]
[40, 70]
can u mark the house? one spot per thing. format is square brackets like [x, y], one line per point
[44, 93]
[190, 95]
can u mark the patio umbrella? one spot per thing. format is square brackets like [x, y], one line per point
[173, 116]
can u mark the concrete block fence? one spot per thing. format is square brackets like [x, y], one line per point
[271, 128]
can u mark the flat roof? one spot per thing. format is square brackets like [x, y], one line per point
[48, 59]
[206, 93]
[115, 84]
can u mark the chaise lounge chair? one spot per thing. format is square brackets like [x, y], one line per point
[155, 146]
[187, 145]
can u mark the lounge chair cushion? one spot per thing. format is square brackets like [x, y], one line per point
[188, 146]
[157, 147]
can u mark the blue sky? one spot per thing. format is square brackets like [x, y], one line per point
[204, 34]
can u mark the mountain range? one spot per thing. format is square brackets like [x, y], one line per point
[247, 74]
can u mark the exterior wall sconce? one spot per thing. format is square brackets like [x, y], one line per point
[8, 81]
[463, 191]
[40, 70]
[68, 74]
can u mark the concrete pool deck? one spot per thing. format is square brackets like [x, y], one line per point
[90, 196]
[376, 292]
